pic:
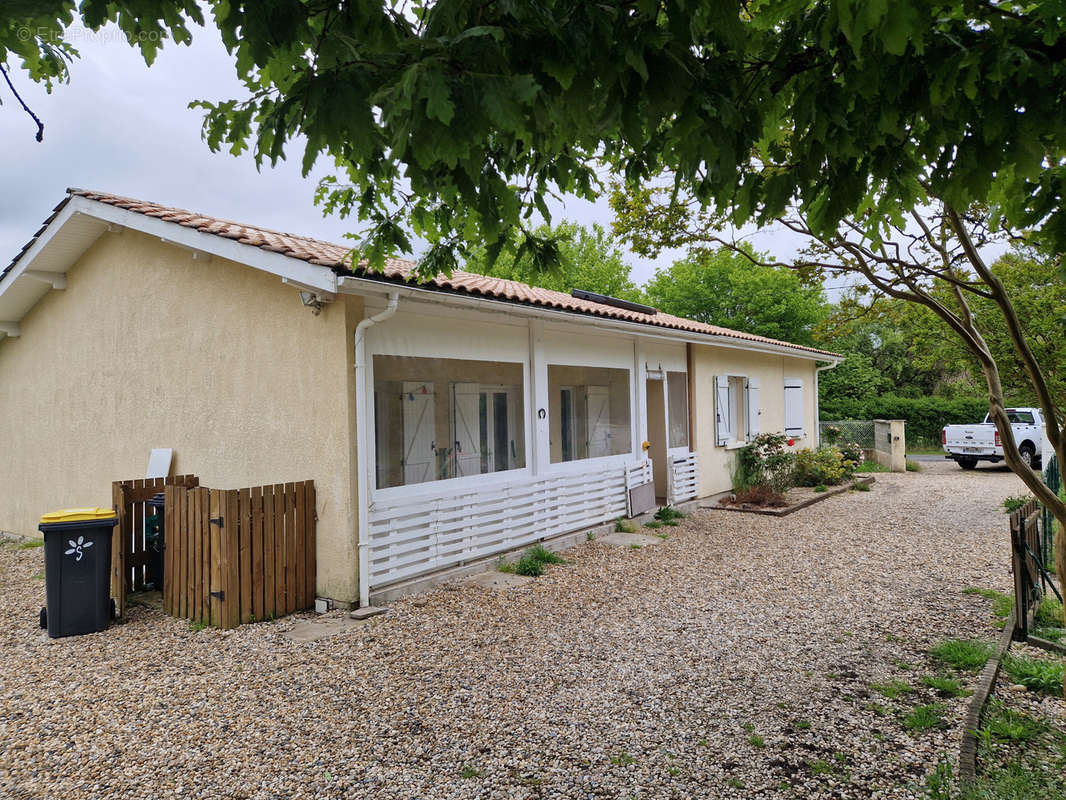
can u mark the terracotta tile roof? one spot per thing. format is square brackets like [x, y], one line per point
[398, 270]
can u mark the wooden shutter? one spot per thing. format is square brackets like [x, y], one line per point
[598, 413]
[418, 433]
[754, 411]
[466, 428]
[721, 409]
[794, 407]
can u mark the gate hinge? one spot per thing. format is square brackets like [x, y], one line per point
[216, 521]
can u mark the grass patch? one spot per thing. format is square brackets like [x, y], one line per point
[946, 687]
[1049, 614]
[755, 740]
[198, 626]
[1038, 675]
[819, 767]
[653, 523]
[735, 783]
[31, 544]
[529, 567]
[544, 555]
[893, 690]
[1002, 604]
[532, 562]
[803, 725]
[923, 718]
[966, 654]
[1051, 634]
[663, 536]
[878, 709]
[821, 487]
[623, 760]
[625, 526]
[913, 466]
[872, 466]
[471, 772]
[1006, 725]
[668, 514]
[861, 487]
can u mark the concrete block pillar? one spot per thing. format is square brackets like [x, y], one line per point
[890, 443]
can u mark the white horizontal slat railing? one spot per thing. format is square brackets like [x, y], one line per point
[684, 478]
[414, 537]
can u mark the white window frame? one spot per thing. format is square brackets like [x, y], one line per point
[682, 449]
[738, 407]
[435, 488]
[583, 464]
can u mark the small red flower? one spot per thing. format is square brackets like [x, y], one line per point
[791, 442]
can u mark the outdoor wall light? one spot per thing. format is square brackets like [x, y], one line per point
[310, 299]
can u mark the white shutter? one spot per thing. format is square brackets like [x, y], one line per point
[466, 428]
[598, 413]
[721, 409]
[794, 407]
[419, 455]
[753, 408]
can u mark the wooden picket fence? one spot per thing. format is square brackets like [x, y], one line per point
[239, 555]
[130, 556]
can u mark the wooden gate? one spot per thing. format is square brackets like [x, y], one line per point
[239, 555]
[1030, 543]
[130, 556]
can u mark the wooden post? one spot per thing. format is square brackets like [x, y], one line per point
[258, 566]
[312, 556]
[279, 549]
[118, 549]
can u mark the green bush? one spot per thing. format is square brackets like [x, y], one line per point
[765, 462]
[925, 416]
[826, 465]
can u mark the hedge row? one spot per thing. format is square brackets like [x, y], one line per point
[925, 415]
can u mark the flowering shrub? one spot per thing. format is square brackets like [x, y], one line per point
[853, 453]
[831, 433]
[826, 465]
[765, 462]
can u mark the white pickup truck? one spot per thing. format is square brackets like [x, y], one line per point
[968, 444]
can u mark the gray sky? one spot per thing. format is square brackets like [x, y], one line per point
[122, 127]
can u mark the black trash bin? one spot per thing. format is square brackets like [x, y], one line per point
[155, 539]
[77, 570]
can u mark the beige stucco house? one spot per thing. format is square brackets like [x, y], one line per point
[442, 422]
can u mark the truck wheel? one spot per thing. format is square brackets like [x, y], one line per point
[967, 463]
[1028, 453]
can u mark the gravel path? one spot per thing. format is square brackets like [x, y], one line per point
[733, 660]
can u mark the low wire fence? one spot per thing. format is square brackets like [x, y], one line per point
[857, 431]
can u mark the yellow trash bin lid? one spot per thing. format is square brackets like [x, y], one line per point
[77, 515]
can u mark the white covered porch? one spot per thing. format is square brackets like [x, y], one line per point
[490, 431]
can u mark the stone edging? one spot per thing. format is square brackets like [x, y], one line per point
[985, 684]
[784, 512]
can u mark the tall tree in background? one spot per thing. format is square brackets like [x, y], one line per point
[720, 287]
[588, 258]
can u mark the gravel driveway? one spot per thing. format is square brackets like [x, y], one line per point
[732, 660]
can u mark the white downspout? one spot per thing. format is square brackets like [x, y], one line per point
[362, 446]
[818, 404]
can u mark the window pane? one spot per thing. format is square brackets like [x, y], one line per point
[589, 412]
[677, 391]
[437, 418]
